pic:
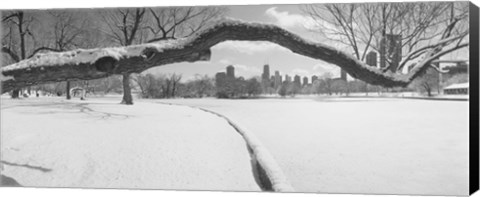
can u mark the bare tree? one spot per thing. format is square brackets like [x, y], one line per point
[162, 86]
[107, 85]
[428, 82]
[353, 25]
[145, 82]
[428, 30]
[177, 22]
[19, 41]
[124, 27]
[253, 87]
[202, 86]
[170, 86]
[67, 30]
[198, 87]
[339, 86]
[324, 84]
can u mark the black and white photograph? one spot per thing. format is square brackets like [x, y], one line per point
[329, 98]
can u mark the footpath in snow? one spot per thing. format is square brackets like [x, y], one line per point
[100, 144]
[358, 145]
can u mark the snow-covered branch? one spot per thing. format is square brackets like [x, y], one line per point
[102, 62]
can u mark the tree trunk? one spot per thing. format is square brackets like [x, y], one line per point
[16, 93]
[127, 94]
[68, 90]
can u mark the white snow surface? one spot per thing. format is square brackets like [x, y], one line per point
[359, 145]
[263, 157]
[98, 143]
[457, 85]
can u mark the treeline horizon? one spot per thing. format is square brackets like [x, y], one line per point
[153, 86]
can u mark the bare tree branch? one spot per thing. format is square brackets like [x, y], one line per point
[12, 54]
[366, 26]
[178, 22]
[43, 49]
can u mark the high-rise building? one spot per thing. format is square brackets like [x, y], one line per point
[314, 78]
[230, 71]
[296, 80]
[343, 75]
[288, 79]
[220, 78]
[278, 79]
[372, 58]
[391, 46]
[305, 81]
[266, 72]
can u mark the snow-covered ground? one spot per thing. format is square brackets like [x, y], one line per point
[334, 145]
[359, 145]
[50, 142]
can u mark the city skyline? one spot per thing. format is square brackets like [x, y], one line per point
[276, 78]
[249, 57]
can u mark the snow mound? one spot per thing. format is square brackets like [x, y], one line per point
[274, 173]
[264, 158]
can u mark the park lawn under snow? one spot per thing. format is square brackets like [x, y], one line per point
[359, 145]
[50, 142]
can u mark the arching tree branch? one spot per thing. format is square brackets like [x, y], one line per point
[99, 63]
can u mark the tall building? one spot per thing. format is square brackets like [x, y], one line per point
[314, 78]
[288, 78]
[372, 58]
[230, 71]
[277, 79]
[305, 81]
[343, 75]
[220, 78]
[391, 46]
[296, 80]
[266, 72]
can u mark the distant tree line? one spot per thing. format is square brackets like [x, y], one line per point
[231, 87]
[112, 84]
[170, 86]
[431, 83]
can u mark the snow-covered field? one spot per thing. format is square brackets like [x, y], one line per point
[50, 142]
[330, 145]
[359, 145]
